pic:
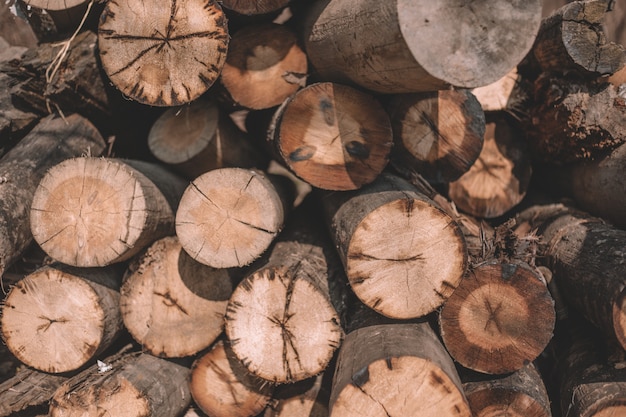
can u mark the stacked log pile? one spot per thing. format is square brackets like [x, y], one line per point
[312, 208]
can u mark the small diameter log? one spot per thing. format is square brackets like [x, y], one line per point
[53, 140]
[413, 46]
[520, 394]
[499, 179]
[163, 54]
[281, 320]
[132, 385]
[264, 66]
[403, 255]
[396, 370]
[198, 137]
[332, 136]
[308, 398]
[98, 211]
[572, 38]
[172, 305]
[59, 318]
[27, 390]
[228, 217]
[438, 134]
[222, 387]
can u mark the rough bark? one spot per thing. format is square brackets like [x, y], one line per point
[308, 398]
[53, 140]
[28, 389]
[229, 216]
[98, 211]
[163, 54]
[254, 7]
[392, 240]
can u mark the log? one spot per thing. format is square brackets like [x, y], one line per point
[307, 398]
[519, 394]
[396, 369]
[264, 66]
[199, 137]
[332, 136]
[254, 7]
[14, 123]
[222, 387]
[54, 4]
[281, 320]
[500, 177]
[92, 212]
[228, 217]
[437, 134]
[172, 305]
[135, 385]
[573, 39]
[500, 317]
[59, 318]
[505, 94]
[15, 30]
[28, 390]
[163, 56]
[53, 140]
[391, 240]
[415, 46]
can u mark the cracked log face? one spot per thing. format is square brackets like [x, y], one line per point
[56, 321]
[500, 317]
[163, 54]
[228, 217]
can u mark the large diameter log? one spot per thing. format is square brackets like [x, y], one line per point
[53, 140]
[437, 134]
[403, 255]
[393, 370]
[519, 394]
[228, 217]
[412, 46]
[172, 305]
[264, 66]
[281, 320]
[499, 318]
[572, 38]
[27, 390]
[199, 137]
[222, 387]
[97, 211]
[58, 318]
[332, 136]
[163, 54]
[134, 385]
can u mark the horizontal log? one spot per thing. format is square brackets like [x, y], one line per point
[28, 390]
[305, 398]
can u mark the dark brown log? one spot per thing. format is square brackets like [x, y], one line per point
[172, 305]
[168, 54]
[414, 46]
[27, 390]
[392, 240]
[254, 7]
[58, 318]
[134, 385]
[332, 136]
[14, 123]
[222, 387]
[438, 134]
[199, 137]
[308, 398]
[573, 39]
[393, 370]
[53, 140]
[264, 65]
[500, 177]
[15, 30]
[281, 320]
[98, 211]
[229, 216]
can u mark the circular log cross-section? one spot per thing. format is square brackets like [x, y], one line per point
[228, 217]
[333, 136]
[264, 66]
[163, 54]
[500, 317]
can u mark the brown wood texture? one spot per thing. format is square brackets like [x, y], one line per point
[307, 398]
[54, 4]
[391, 240]
[413, 46]
[332, 136]
[172, 305]
[254, 7]
[53, 140]
[97, 211]
[27, 390]
[163, 55]
[440, 134]
[58, 318]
